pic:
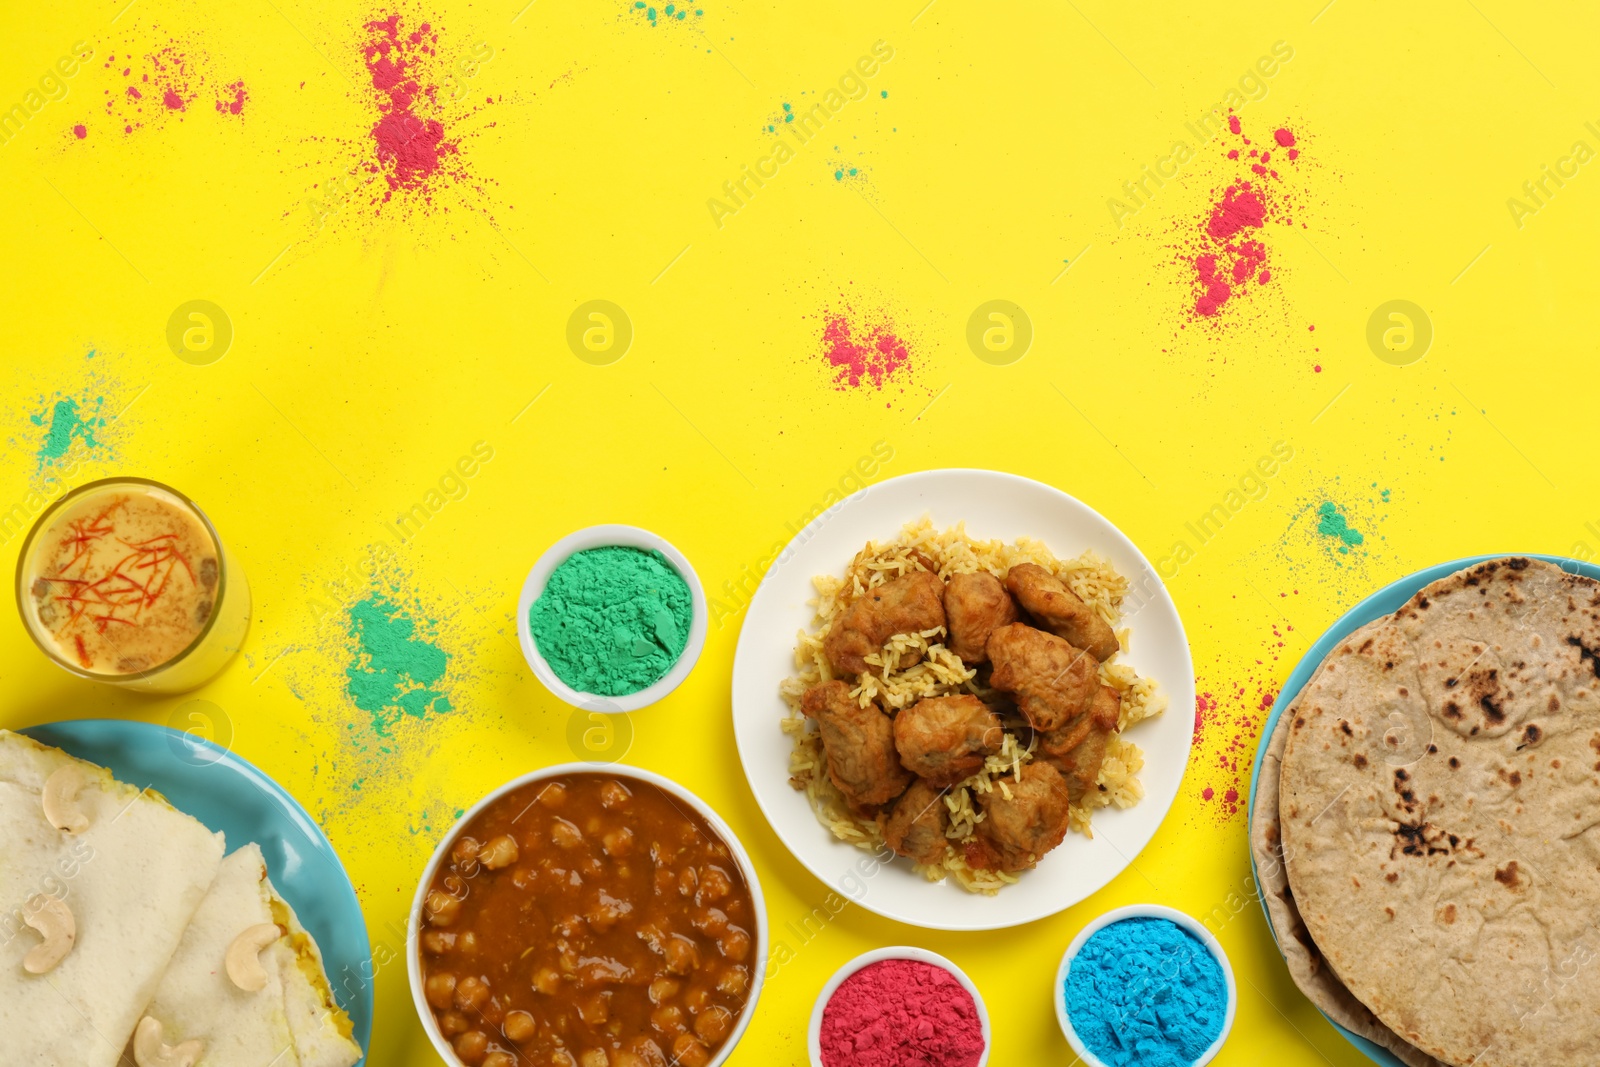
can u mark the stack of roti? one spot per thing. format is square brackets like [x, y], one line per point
[1425, 824]
[128, 938]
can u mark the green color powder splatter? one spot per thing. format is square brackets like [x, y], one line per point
[69, 422]
[395, 673]
[612, 621]
[1330, 523]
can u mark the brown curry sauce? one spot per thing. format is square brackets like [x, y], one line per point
[588, 921]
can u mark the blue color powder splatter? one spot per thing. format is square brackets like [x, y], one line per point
[1146, 992]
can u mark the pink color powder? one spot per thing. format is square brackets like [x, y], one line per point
[233, 104]
[1227, 723]
[80, 131]
[173, 101]
[410, 148]
[901, 1013]
[863, 354]
[1231, 252]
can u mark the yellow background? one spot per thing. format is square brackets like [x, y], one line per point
[372, 352]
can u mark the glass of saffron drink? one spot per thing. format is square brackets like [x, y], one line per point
[125, 581]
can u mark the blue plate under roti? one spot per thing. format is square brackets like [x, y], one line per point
[229, 794]
[1385, 601]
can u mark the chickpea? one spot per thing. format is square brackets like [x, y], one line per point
[565, 834]
[524, 878]
[689, 1051]
[553, 795]
[663, 989]
[687, 880]
[471, 993]
[681, 955]
[735, 944]
[595, 1057]
[440, 989]
[714, 1025]
[571, 926]
[664, 881]
[593, 825]
[520, 1026]
[614, 795]
[437, 942]
[734, 981]
[452, 1023]
[464, 852]
[618, 842]
[714, 885]
[499, 852]
[547, 981]
[472, 1047]
[562, 1058]
[668, 1019]
[649, 1053]
[596, 1010]
[697, 1000]
[441, 908]
[467, 942]
[710, 921]
[500, 1059]
[627, 1059]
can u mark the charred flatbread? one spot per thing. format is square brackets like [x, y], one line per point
[1306, 966]
[1440, 793]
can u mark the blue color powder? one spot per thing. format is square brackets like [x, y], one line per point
[1146, 992]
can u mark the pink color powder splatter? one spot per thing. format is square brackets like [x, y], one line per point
[863, 353]
[410, 149]
[80, 131]
[1230, 252]
[160, 84]
[1228, 717]
[233, 99]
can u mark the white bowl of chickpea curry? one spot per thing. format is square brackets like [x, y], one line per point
[584, 916]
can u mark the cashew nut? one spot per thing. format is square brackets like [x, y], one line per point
[244, 956]
[55, 924]
[150, 1051]
[60, 800]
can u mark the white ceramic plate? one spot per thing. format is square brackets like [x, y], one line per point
[993, 505]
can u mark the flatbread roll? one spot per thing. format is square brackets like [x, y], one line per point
[199, 1000]
[131, 879]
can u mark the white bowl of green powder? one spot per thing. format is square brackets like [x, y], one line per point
[612, 618]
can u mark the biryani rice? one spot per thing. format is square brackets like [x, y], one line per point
[936, 671]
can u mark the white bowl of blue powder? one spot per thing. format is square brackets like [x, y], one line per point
[1145, 986]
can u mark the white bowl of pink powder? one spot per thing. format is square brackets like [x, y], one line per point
[899, 1007]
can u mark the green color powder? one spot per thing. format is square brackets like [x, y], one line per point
[1330, 523]
[612, 621]
[395, 673]
[69, 422]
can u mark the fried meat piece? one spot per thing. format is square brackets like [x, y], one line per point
[976, 605]
[1052, 681]
[1031, 822]
[945, 739]
[1060, 610]
[911, 602]
[1078, 749]
[916, 827]
[859, 743]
